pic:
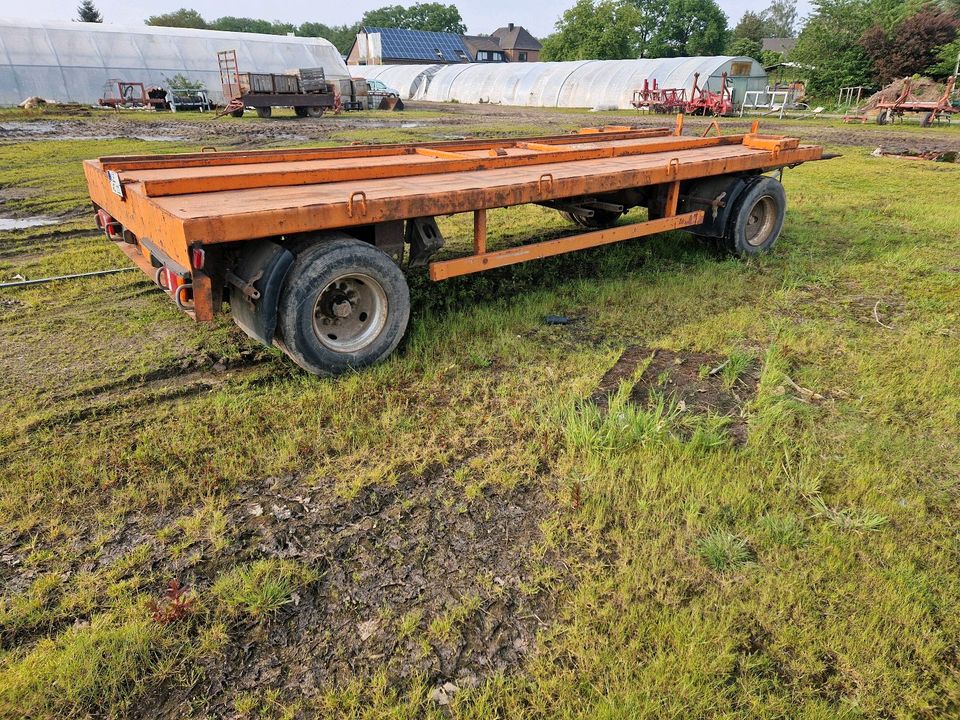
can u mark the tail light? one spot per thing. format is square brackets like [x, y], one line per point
[111, 227]
[197, 257]
[168, 279]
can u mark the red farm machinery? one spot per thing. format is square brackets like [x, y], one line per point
[701, 100]
[929, 111]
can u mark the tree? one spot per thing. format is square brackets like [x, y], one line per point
[604, 30]
[947, 56]
[690, 27]
[647, 20]
[830, 44]
[745, 47]
[751, 27]
[182, 18]
[616, 29]
[780, 18]
[912, 46]
[230, 23]
[342, 36]
[433, 17]
[87, 12]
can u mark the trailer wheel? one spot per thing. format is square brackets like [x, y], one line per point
[599, 219]
[264, 112]
[926, 119]
[757, 219]
[345, 304]
[237, 113]
[300, 111]
[314, 112]
[883, 117]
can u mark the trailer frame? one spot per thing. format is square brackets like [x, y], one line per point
[930, 111]
[210, 227]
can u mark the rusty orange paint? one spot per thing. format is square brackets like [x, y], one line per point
[500, 258]
[479, 232]
[211, 198]
[166, 182]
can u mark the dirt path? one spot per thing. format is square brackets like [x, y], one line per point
[421, 123]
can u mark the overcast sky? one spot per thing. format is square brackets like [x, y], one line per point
[481, 16]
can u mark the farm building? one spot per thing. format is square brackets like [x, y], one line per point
[397, 46]
[580, 83]
[66, 61]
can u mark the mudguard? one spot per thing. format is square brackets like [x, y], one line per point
[699, 194]
[263, 269]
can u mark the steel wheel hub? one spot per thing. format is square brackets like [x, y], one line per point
[760, 221]
[350, 313]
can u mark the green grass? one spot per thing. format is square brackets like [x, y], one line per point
[261, 588]
[811, 572]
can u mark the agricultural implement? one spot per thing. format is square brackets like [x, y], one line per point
[929, 111]
[309, 246]
[704, 101]
[121, 94]
[659, 100]
[265, 91]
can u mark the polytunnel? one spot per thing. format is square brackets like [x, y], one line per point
[73, 62]
[586, 83]
[408, 80]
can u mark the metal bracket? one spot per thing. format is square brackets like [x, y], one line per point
[361, 205]
[245, 286]
[718, 202]
[425, 240]
[549, 178]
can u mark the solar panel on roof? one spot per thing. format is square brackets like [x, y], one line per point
[421, 45]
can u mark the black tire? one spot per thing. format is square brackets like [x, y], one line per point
[314, 112]
[300, 111]
[926, 119]
[599, 219]
[264, 112]
[883, 117]
[345, 304]
[237, 113]
[757, 218]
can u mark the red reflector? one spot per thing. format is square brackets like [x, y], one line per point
[197, 257]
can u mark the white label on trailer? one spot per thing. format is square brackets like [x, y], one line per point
[115, 184]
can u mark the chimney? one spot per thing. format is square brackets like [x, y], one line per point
[510, 27]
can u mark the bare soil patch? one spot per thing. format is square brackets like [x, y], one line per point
[416, 579]
[693, 380]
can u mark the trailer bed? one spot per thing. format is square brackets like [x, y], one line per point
[293, 238]
[226, 197]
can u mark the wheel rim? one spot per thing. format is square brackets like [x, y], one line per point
[350, 313]
[760, 221]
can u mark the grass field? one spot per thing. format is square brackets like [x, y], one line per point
[476, 528]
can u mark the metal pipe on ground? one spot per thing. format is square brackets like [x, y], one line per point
[40, 281]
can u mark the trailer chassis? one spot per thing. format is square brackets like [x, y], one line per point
[269, 232]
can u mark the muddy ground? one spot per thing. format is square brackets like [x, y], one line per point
[453, 120]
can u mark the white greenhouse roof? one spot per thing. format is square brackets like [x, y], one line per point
[72, 61]
[408, 80]
[580, 83]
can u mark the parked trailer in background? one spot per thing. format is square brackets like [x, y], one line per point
[928, 111]
[265, 91]
[309, 246]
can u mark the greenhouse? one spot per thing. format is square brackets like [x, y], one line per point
[72, 61]
[408, 80]
[582, 83]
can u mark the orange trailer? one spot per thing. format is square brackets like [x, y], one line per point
[308, 247]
